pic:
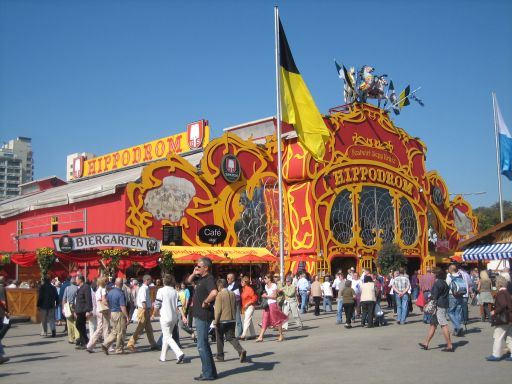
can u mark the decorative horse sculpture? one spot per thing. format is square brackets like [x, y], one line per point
[370, 86]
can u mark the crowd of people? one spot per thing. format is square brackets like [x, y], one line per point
[98, 314]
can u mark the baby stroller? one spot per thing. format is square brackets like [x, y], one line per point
[379, 316]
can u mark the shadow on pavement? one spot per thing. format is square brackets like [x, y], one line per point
[27, 354]
[474, 330]
[12, 374]
[460, 343]
[37, 359]
[251, 366]
[33, 344]
[255, 356]
[294, 337]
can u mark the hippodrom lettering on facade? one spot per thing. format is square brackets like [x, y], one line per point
[132, 156]
[364, 174]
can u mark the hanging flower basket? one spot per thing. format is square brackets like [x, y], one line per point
[45, 259]
[110, 260]
[166, 262]
[5, 259]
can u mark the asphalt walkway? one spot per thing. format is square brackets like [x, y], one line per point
[322, 352]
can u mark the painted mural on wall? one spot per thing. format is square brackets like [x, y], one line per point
[168, 202]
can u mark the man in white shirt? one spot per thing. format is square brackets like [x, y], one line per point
[327, 293]
[337, 281]
[303, 289]
[143, 303]
[356, 286]
[350, 273]
[166, 304]
[339, 284]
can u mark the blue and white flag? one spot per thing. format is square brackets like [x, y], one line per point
[505, 145]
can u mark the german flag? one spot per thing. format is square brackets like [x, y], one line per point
[297, 104]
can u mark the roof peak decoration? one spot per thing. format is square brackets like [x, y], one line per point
[367, 85]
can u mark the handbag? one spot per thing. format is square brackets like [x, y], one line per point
[102, 307]
[264, 303]
[68, 313]
[226, 325]
[420, 301]
[430, 308]
[499, 319]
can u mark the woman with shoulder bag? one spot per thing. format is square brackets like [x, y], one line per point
[272, 316]
[501, 319]
[439, 293]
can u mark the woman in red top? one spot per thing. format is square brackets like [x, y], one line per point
[249, 300]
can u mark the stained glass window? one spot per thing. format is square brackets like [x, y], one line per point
[251, 228]
[408, 223]
[376, 214]
[341, 218]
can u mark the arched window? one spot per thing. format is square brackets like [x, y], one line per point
[408, 224]
[251, 228]
[341, 218]
[376, 214]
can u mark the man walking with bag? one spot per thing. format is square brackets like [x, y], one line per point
[225, 312]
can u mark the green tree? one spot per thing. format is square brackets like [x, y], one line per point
[490, 216]
[390, 257]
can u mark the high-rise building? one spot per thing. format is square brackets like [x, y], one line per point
[16, 166]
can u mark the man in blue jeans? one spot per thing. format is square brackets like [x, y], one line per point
[401, 287]
[456, 302]
[202, 309]
[303, 288]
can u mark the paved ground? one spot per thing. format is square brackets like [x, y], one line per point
[323, 351]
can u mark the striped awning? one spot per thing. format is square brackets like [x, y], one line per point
[489, 252]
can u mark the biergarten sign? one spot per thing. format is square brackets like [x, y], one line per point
[68, 244]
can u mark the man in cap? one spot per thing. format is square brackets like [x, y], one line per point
[68, 305]
[143, 304]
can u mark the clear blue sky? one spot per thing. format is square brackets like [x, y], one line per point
[102, 75]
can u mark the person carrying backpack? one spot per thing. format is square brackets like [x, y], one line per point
[458, 291]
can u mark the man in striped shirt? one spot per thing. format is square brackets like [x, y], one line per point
[401, 287]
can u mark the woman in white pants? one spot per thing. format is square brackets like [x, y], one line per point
[249, 300]
[102, 314]
[166, 305]
[291, 305]
[502, 315]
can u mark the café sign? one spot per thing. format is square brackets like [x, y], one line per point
[212, 234]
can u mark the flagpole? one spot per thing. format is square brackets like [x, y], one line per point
[496, 133]
[279, 149]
